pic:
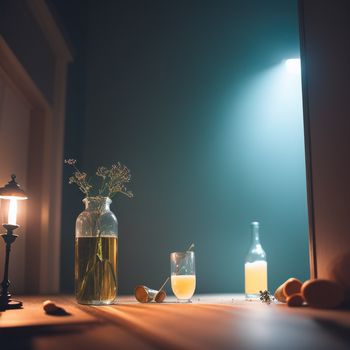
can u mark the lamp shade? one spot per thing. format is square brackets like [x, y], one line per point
[12, 190]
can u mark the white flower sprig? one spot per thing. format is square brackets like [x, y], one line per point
[113, 180]
[79, 177]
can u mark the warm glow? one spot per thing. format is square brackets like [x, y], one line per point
[12, 215]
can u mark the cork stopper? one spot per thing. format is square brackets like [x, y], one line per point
[161, 295]
[144, 294]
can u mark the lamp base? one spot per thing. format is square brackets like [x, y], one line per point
[6, 303]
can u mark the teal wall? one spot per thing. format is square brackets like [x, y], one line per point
[193, 97]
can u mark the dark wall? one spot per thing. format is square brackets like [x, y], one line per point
[326, 54]
[24, 36]
[192, 96]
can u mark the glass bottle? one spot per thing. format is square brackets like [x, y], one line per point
[255, 267]
[96, 253]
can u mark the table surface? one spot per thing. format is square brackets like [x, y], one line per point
[210, 322]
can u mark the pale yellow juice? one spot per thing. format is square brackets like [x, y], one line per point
[183, 286]
[255, 277]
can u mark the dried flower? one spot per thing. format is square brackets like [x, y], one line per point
[266, 297]
[113, 180]
[102, 171]
[70, 161]
[79, 178]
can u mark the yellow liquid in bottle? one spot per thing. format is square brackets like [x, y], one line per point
[183, 286]
[255, 277]
[96, 278]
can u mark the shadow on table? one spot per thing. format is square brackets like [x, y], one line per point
[22, 338]
[335, 329]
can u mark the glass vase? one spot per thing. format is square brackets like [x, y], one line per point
[96, 253]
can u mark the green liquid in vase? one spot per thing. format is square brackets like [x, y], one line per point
[96, 270]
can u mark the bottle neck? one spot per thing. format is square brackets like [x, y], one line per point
[255, 233]
[256, 251]
[100, 204]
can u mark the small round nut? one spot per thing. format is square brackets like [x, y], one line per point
[288, 288]
[292, 286]
[323, 293]
[50, 307]
[295, 300]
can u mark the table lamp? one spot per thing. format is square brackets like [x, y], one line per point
[11, 192]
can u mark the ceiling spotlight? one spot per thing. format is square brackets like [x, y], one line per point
[293, 66]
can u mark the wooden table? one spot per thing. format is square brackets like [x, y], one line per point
[210, 322]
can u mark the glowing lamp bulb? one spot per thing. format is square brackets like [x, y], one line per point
[293, 66]
[12, 214]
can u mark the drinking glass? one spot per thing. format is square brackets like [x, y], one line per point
[183, 275]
